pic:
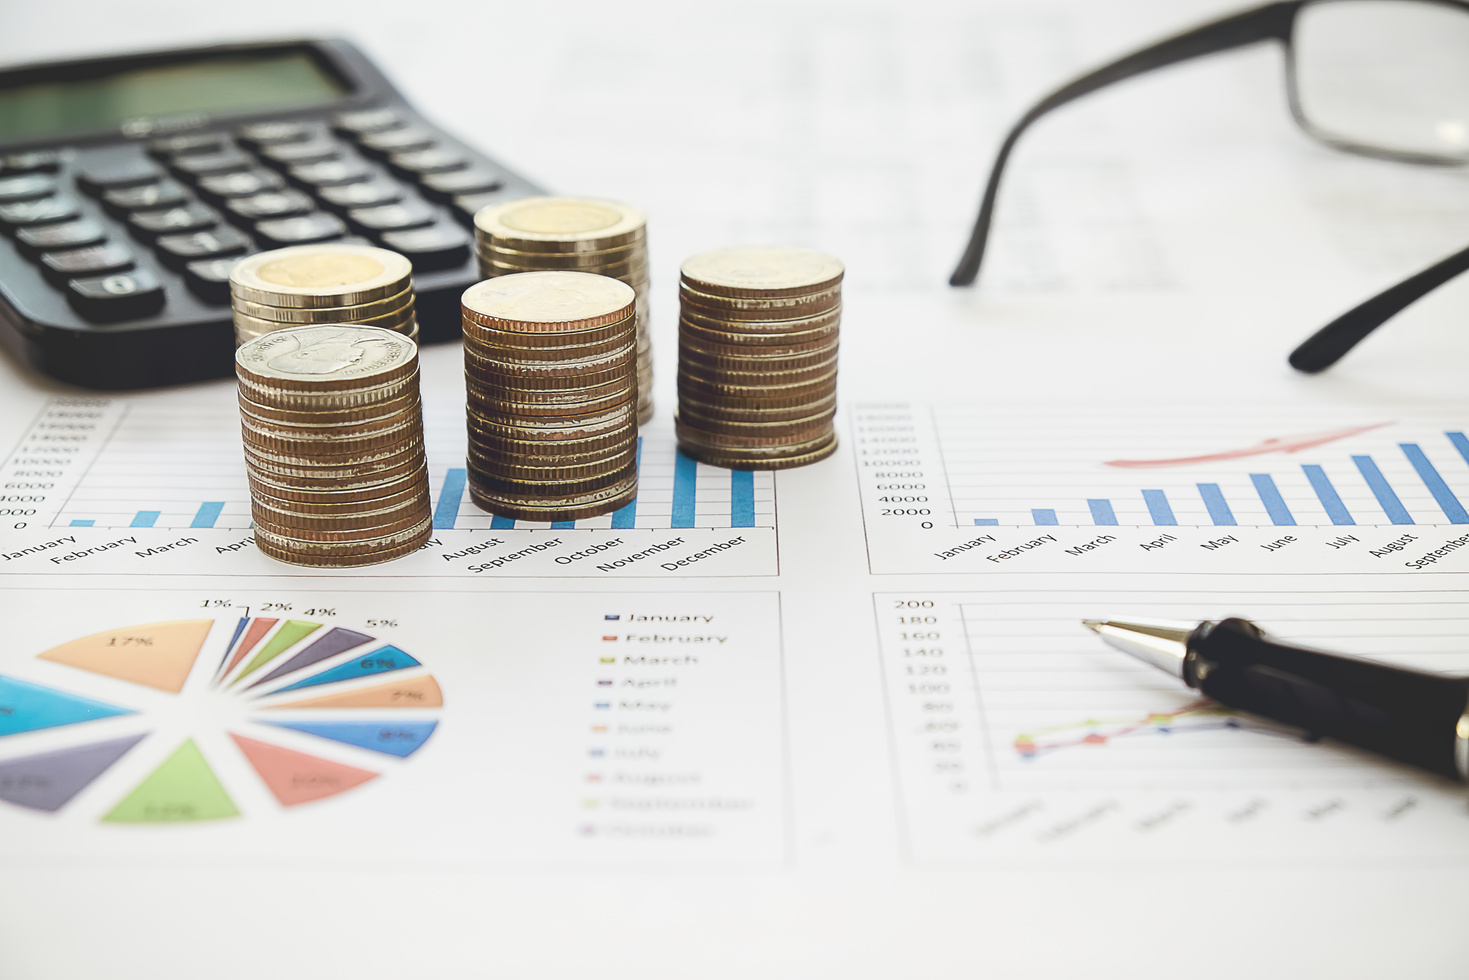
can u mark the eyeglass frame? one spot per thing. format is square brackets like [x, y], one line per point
[1267, 22]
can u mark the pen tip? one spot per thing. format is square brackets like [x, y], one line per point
[1095, 625]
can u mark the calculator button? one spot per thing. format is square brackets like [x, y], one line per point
[177, 251]
[392, 217]
[185, 144]
[440, 246]
[103, 173]
[30, 161]
[242, 183]
[305, 230]
[329, 173]
[122, 201]
[278, 131]
[148, 225]
[369, 193]
[438, 160]
[365, 121]
[276, 204]
[26, 187]
[120, 296]
[69, 234]
[404, 140]
[201, 165]
[470, 180]
[96, 260]
[210, 279]
[308, 151]
[46, 211]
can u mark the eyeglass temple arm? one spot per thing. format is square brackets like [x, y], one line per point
[1273, 20]
[1330, 344]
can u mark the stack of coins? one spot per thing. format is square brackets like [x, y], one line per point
[550, 363]
[333, 437]
[330, 283]
[538, 234]
[757, 357]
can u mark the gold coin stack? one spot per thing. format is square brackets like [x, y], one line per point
[550, 364]
[330, 283]
[757, 357]
[333, 437]
[537, 234]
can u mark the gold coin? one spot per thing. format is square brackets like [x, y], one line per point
[752, 359]
[795, 342]
[314, 482]
[368, 414]
[747, 308]
[761, 273]
[329, 274]
[561, 224]
[478, 360]
[797, 441]
[490, 250]
[329, 554]
[352, 496]
[549, 302]
[742, 373]
[346, 526]
[554, 476]
[325, 446]
[551, 488]
[753, 409]
[566, 509]
[326, 358]
[498, 399]
[830, 319]
[523, 445]
[556, 344]
[326, 314]
[495, 352]
[550, 428]
[738, 460]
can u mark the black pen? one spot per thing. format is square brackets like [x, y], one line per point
[1410, 715]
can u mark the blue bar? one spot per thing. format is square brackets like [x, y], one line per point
[1460, 443]
[1218, 508]
[450, 496]
[145, 518]
[685, 472]
[499, 523]
[207, 514]
[987, 521]
[1326, 493]
[626, 516]
[741, 498]
[1382, 490]
[1158, 506]
[1044, 516]
[1452, 509]
[1271, 498]
[562, 525]
[82, 523]
[1102, 512]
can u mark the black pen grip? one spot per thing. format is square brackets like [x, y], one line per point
[1409, 715]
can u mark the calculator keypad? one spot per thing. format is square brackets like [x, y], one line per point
[196, 202]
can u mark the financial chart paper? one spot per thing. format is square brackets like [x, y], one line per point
[839, 721]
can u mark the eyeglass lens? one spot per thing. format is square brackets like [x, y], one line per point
[1386, 74]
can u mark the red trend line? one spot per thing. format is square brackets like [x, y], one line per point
[1291, 444]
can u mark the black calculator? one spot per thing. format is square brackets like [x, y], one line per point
[129, 186]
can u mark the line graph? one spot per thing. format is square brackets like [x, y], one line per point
[1009, 720]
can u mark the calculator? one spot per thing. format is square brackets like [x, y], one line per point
[129, 186]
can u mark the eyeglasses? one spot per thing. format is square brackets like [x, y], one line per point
[1382, 78]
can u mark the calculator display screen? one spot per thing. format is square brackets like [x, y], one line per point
[219, 85]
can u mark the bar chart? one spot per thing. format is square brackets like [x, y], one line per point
[1267, 495]
[122, 481]
[1068, 483]
[159, 471]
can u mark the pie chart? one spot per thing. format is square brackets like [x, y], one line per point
[279, 684]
